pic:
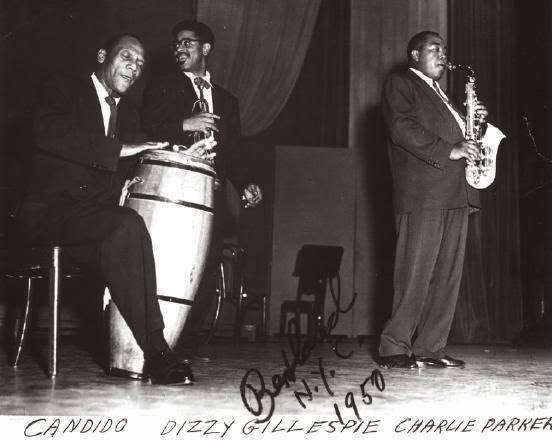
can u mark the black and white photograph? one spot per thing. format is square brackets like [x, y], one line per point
[275, 219]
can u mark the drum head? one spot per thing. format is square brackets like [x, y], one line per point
[176, 158]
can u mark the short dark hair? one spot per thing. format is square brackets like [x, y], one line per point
[112, 42]
[417, 42]
[203, 32]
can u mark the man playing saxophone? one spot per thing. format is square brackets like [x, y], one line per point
[428, 152]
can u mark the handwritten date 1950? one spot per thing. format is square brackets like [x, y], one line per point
[375, 380]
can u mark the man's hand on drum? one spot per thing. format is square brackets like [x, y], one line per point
[252, 195]
[202, 149]
[205, 122]
[133, 149]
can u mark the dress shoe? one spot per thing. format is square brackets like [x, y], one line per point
[451, 362]
[442, 362]
[163, 368]
[429, 362]
[119, 372]
[397, 361]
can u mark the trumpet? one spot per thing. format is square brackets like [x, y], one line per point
[200, 105]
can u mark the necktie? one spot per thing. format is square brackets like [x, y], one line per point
[457, 114]
[439, 92]
[112, 125]
[201, 103]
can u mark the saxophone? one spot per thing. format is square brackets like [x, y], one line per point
[481, 172]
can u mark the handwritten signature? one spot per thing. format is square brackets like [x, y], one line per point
[260, 399]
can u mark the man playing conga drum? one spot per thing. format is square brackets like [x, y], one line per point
[85, 133]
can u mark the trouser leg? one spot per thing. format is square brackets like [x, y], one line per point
[438, 313]
[114, 242]
[418, 240]
[127, 264]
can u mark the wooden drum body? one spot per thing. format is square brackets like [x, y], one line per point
[174, 193]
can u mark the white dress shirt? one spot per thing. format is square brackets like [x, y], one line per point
[207, 92]
[102, 94]
[443, 97]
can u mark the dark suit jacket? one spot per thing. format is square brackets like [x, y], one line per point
[169, 99]
[74, 163]
[422, 132]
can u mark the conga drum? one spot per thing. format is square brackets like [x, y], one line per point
[174, 193]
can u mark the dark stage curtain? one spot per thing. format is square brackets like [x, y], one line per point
[317, 113]
[482, 34]
[259, 52]
[535, 95]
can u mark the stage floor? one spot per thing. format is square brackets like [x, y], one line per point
[498, 382]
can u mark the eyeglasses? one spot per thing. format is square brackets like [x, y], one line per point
[186, 42]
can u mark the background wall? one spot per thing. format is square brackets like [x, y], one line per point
[313, 204]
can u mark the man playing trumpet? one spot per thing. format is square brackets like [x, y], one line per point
[185, 105]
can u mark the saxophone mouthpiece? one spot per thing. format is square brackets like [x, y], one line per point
[464, 67]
